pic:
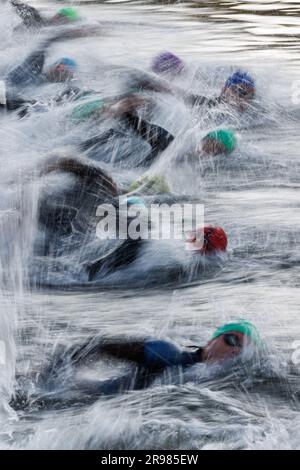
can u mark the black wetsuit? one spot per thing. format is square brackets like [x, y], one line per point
[157, 137]
[30, 72]
[29, 15]
[146, 81]
[68, 220]
[13, 102]
[150, 357]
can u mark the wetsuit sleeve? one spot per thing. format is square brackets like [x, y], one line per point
[15, 102]
[29, 71]
[100, 140]
[95, 348]
[201, 101]
[28, 14]
[122, 256]
[146, 81]
[157, 137]
[69, 94]
[151, 355]
[135, 380]
[160, 354]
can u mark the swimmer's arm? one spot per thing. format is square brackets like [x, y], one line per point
[147, 81]
[95, 348]
[29, 70]
[28, 14]
[15, 102]
[122, 256]
[199, 101]
[136, 380]
[156, 136]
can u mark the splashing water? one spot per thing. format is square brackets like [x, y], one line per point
[253, 194]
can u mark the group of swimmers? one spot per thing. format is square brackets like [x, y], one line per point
[123, 116]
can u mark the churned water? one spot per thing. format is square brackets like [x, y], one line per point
[253, 194]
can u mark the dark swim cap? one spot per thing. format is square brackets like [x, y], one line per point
[167, 62]
[240, 78]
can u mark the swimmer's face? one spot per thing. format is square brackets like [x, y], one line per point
[238, 96]
[212, 147]
[60, 73]
[226, 346]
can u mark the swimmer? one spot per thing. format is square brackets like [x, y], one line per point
[150, 356]
[206, 242]
[32, 19]
[125, 113]
[32, 72]
[237, 92]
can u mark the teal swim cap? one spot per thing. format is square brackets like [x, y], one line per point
[70, 13]
[135, 201]
[242, 326]
[87, 110]
[225, 137]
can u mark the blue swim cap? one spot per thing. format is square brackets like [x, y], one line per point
[67, 61]
[240, 78]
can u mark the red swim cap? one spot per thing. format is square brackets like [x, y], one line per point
[214, 239]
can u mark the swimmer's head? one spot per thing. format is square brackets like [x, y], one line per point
[207, 240]
[239, 90]
[229, 340]
[62, 71]
[65, 16]
[167, 63]
[221, 141]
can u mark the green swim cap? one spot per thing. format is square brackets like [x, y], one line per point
[87, 110]
[242, 326]
[225, 136]
[151, 185]
[69, 13]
